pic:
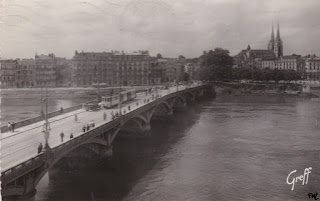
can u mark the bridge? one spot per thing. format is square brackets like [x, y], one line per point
[22, 165]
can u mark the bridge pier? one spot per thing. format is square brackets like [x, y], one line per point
[170, 112]
[107, 152]
[145, 128]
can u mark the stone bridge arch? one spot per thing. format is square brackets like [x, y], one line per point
[163, 108]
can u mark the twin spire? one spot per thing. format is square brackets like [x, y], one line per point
[275, 44]
[278, 33]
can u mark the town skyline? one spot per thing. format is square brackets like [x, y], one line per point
[165, 27]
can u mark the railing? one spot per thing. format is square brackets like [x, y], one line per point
[21, 169]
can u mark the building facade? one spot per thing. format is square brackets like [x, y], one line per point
[7, 73]
[26, 73]
[158, 71]
[45, 70]
[174, 70]
[111, 68]
[312, 66]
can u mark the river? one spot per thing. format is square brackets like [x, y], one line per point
[227, 148]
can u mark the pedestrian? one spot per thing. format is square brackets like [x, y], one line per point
[12, 126]
[93, 124]
[129, 107]
[137, 103]
[40, 148]
[61, 110]
[71, 135]
[84, 128]
[104, 116]
[9, 126]
[62, 136]
[76, 118]
[88, 127]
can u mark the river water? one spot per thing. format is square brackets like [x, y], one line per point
[227, 148]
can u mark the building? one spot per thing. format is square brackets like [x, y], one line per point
[251, 58]
[63, 71]
[111, 68]
[7, 73]
[312, 66]
[45, 70]
[291, 63]
[26, 73]
[174, 70]
[271, 58]
[158, 71]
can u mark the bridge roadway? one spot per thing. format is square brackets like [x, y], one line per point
[22, 144]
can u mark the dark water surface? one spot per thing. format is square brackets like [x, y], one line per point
[18, 109]
[229, 148]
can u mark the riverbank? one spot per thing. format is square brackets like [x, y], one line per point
[258, 89]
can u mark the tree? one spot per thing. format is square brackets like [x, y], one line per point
[159, 56]
[181, 57]
[186, 77]
[216, 65]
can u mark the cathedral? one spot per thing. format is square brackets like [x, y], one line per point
[275, 44]
[272, 57]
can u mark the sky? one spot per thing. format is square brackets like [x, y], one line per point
[169, 27]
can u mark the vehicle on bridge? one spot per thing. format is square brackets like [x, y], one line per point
[92, 106]
[110, 101]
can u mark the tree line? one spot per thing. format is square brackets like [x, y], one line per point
[216, 65]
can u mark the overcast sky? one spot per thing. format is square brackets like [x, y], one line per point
[169, 27]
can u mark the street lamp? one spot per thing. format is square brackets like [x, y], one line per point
[41, 101]
[120, 79]
[46, 126]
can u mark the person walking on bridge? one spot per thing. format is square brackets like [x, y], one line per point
[9, 126]
[62, 136]
[104, 116]
[76, 118]
[84, 128]
[12, 126]
[40, 148]
[71, 135]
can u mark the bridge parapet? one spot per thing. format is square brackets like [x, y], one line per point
[17, 171]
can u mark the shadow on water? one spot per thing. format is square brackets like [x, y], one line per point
[85, 176]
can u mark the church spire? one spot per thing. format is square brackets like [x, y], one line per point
[272, 41]
[272, 33]
[278, 32]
